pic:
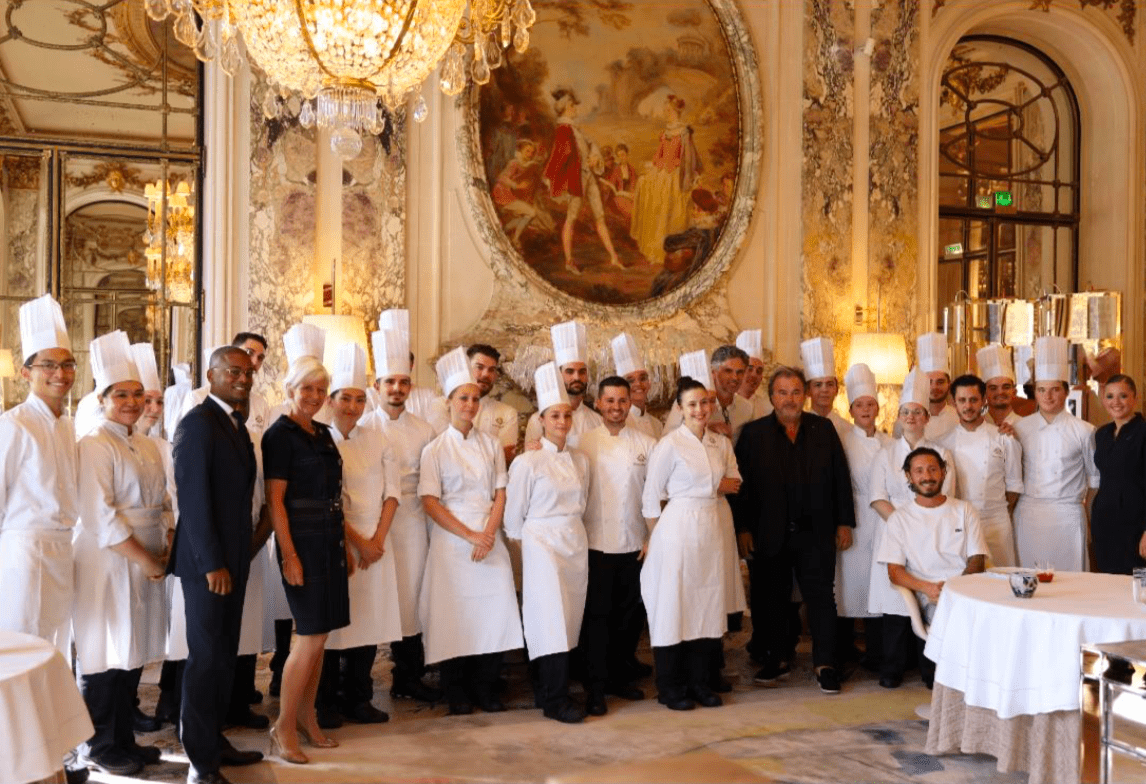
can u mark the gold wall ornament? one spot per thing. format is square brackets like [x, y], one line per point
[115, 174]
[348, 55]
[1127, 11]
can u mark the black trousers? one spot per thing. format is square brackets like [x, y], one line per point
[611, 627]
[170, 690]
[409, 656]
[110, 698]
[470, 677]
[345, 681]
[242, 685]
[814, 566]
[213, 625]
[685, 668]
[897, 635]
[550, 680]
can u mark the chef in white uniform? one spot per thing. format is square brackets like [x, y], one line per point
[931, 354]
[494, 418]
[570, 351]
[420, 401]
[683, 581]
[468, 604]
[174, 397]
[121, 545]
[618, 454]
[751, 342]
[409, 536]
[862, 445]
[39, 484]
[989, 465]
[1059, 476]
[730, 411]
[998, 373]
[629, 363]
[819, 359]
[370, 495]
[889, 491]
[545, 507]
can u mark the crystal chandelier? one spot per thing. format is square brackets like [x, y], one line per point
[172, 245]
[338, 60]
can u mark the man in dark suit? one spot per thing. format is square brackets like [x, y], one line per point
[793, 511]
[215, 474]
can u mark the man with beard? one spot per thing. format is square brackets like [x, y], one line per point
[730, 412]
[751, 342]
[570, 349]
[998, 374]
[931, 353]
[928, 542]
[629, 363]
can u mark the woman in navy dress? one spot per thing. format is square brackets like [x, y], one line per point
[1118, 517]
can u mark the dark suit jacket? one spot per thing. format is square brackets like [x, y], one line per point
[215, 474]
[761, 506]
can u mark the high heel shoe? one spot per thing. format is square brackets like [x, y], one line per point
[282, 752]
[325, 742]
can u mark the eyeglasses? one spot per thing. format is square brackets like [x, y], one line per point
[238, 372]
[50, 367]
[254, 354]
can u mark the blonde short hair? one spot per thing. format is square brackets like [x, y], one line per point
[302, 370]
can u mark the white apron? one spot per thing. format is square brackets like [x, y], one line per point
[854, 565]
[1000, 536]
[37, 569]
[252, 639]
[374, 613]
[555, 578]
[733, 580]
[1050, 531]
[408, 544]
[120, 617]
[683, 579]
[473, 602]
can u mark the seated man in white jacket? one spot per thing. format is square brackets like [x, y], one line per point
[929, 541]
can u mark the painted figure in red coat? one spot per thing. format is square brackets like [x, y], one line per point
[570, 175]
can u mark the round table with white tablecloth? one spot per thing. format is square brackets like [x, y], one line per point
[42, 715]
[1009, 668]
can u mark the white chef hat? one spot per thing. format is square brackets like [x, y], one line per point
[397, 319]
[931, 353]
[751, 342]
[627, 356]
[182, 373]
[819, 358]
[695, 365]
[550, 387]
[348, 369]
[1052, 359]
[994, 362]
[144, 357]
[110, 358]
[42, 326]
[454, 370]
[569, 342]
[304, 340]
[391, 353]
[860, 382]
[916, 389]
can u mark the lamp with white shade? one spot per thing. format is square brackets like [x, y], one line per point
[339, 329]
[7, 371]
[884, 352]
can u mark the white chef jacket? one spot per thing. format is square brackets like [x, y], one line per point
[1058, 456]
[550, 483]
[174, 398]
[842, 426]
[494, 418]
[462, 471]
[38, 509]
[739, 413]
[989, 465]
[683, 466]
[646, 423]
[120, 617]
[933, 544]
[942, 423]
[617, 467]
[853, 566]
[584, 420]
[407, 436]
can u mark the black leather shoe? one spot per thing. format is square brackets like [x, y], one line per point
[214, 777]
[76, 775]
[770, 673]
[595, 702]
[829, 680]
[250, 720]
[706, 698]
[141, 722]
[890, 681]
[461, 708]
[491, 704]
[681, 704]
[255, 697]
[365, 713]
[640, 670]
[328, 718]
[625, 691]
[166, 710]
[566, 712]
[720, 685]
[276, 683]
[229, 755]
[148, 755]
[116, 763]
[415, 690]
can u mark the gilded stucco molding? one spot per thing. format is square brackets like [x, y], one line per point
[1127, 11]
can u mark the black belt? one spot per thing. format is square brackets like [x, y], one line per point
[321, 505]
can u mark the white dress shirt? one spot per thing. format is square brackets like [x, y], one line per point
[617, 467]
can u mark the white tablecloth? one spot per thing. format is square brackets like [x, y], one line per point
[42, 715]
[1021, 656]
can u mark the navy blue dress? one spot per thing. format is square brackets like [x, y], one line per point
[1118, 517]
[312, 469]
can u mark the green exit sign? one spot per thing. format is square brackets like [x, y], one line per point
[953, 250]
[984, 202]
[1003, 199]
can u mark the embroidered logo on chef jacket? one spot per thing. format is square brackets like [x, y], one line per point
[642, 458]
[499, 421]
[997, 450]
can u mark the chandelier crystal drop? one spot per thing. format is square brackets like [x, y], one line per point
[345, 55]
[170, 244]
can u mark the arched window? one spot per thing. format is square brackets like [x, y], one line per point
[1009, 172]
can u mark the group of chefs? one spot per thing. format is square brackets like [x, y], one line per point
[391, 505]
